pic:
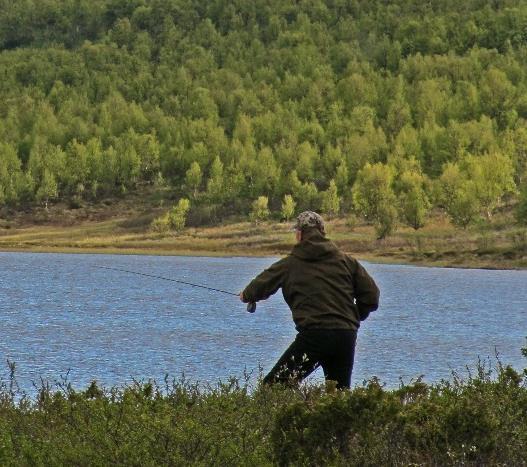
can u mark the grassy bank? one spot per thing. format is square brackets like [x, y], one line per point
[479, 420]
[123, 226]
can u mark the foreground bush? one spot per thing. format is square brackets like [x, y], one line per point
[480, 420]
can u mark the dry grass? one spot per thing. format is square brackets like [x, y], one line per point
[499, 245]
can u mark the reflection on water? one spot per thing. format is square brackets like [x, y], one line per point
[60, 313]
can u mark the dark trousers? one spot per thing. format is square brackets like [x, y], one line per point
[333, 349]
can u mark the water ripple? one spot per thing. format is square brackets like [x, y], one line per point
[60, 313]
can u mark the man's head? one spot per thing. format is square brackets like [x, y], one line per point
[307, 222]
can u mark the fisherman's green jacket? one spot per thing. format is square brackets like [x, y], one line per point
[324, 288]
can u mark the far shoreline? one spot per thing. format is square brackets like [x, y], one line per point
[369, 258]
[124, 227]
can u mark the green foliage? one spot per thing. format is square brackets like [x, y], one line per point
[414, 203]
[386, 220]
[306, 194]
[10, 174]
[492, 175]
[515, 143]
[48, 188]
[127, 163]
[267, 99]
[330, 204]
[193, 178]
[521, 209]
[215, 181]
[374, 198]
[478, 420]
[342, 177]
[465, 206]
[175, 219]
[259, 209]
[161, 224]
[177, 216]
[288, 207]
[476, 184]
[416, 424]
[458, 196]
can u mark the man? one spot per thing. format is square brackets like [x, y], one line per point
[329, 294]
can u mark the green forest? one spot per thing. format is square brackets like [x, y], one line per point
[268, 107]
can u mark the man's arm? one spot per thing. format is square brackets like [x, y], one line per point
[366, 291]
[266, 283]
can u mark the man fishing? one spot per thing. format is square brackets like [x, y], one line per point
[329, 294]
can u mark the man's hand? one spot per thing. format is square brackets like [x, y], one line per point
[251, 307]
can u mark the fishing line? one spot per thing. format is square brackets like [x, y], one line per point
[168, 279]
[251, 307]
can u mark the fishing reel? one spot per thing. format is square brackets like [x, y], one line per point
[251, 307]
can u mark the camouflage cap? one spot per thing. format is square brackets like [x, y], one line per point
[309, 219]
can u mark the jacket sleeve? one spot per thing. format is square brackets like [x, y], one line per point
[366, 291]
[266, 283]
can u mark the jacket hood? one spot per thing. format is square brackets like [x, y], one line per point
[313, 247]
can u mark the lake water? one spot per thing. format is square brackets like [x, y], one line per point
[61, 314]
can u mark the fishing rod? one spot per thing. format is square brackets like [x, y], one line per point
[251, 307]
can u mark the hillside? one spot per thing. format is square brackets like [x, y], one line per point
[392, 110]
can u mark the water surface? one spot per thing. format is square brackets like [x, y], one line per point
[61, 315]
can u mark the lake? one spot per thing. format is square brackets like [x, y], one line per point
[61, 315]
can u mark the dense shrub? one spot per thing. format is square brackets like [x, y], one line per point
[479, 420]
